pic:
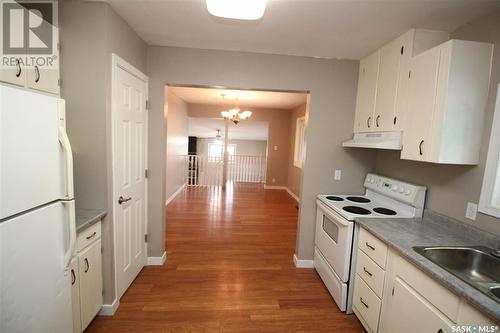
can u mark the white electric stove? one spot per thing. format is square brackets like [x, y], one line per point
[336, 233]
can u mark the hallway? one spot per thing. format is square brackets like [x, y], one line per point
[229, 269]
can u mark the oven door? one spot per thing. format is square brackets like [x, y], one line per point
[334, 239]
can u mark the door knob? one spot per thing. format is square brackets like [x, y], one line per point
[122, 200]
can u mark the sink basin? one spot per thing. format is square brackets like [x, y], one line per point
[474, 265]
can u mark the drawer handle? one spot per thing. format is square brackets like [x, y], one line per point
[420, 150]
[19, 70]
[376, 120]
[87, 265]
[370, 246]
[37, 73]
[93, 234]
[369, 122]
[367, 272]
[122, 200]
[363, 302]
[73, 277]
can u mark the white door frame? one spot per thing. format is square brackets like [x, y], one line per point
[118, 63]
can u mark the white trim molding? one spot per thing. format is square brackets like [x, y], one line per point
[296, 198]
[157, 261]
[301, 263]
[176, 193]
[489, 202]
[110, 309]
[284, 188]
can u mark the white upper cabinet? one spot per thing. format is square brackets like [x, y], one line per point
[381, 96]
[367, 89]
[447, 94]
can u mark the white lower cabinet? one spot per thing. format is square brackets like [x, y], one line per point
[410, 300]
[410, 312]
[86, 278]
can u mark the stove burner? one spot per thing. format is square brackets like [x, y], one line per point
[384, 211]
[334, 198]
[356, 210]
[358, 199]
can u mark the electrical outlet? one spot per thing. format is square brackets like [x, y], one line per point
[338, 174]
[471, 211]
[274, 180]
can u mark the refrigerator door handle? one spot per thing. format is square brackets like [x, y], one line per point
[68, 159]
[72, 232]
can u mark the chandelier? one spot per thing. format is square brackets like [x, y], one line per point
[235, 115]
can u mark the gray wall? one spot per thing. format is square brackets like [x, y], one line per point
[332, 84]
[177, 143]
[451, 187]
[90, 32]
[243, 147]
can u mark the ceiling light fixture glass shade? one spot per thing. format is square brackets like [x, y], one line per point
[237, 9]
[218, 138]
[235, 115]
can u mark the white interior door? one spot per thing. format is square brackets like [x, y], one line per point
[129, 166]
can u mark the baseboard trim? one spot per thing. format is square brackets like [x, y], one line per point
[284, 188]
[273, 187]
[176, 193]
[296, 198]
[157, 261]
[300, 263]
[110, 309]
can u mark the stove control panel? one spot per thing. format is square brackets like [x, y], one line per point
[396, 189]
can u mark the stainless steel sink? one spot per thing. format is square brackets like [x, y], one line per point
[474, 265]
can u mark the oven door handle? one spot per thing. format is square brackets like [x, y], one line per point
[333, 216]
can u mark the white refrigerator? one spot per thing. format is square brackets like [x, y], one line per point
[37, 213]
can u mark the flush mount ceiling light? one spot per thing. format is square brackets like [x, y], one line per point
[235, 115]
[237, 9]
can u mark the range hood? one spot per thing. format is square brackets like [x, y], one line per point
[381, 140]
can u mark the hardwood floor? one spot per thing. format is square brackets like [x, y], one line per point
[229, 269]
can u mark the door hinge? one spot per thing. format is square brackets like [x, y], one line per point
[147, 104]
[146, 238]
[146, 173]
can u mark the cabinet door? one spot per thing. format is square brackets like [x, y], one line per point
[75, 295]
[367, 90]
[387, 87]
[407, 311]
[421, 104]
[45, 78]
[89, 261]
[15, 73]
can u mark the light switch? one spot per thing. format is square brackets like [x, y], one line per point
[338, 174]
[275, 147]
[471, 211]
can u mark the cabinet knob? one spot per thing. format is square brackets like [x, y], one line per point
[369, 122]
[363, 302]
[420, 150]
[395, 120]
[377, 120]
[19, 69]
[370, 246]
[73, 277]
[367, 271]
[37, 74]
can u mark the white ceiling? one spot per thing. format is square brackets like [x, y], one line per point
[247, 98]
[245, 130]
[347, 29]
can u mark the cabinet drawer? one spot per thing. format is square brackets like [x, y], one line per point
[373, 247]
[371, 273]
[366, 304]
[87, 236]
